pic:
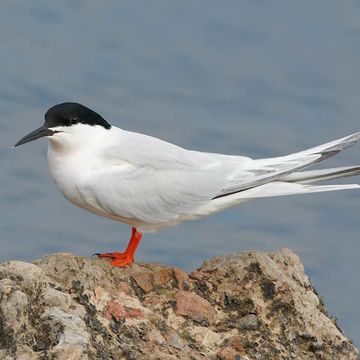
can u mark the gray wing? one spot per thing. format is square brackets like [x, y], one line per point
[155, 181]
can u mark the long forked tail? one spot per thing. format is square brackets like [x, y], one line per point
[283, 176]
[280, 188]
[297, 182]
[307, 177]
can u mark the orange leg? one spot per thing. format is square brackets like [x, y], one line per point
[126, 258]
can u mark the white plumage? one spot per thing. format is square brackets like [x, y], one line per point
[150, 184]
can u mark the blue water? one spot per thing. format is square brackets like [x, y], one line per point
[249, 77]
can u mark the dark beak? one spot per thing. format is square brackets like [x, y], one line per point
[36, 134]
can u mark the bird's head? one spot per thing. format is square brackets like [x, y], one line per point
[68, 123]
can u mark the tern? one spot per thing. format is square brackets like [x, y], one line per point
[150, 184]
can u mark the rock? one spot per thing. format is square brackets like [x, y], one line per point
[250, 306]
[248, 322]
[194, 307]
[182, 279]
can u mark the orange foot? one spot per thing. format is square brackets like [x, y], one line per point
[126, 258]
[117, 258]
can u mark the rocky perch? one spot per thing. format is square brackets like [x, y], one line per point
[242, 306]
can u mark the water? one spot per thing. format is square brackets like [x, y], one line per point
[254, 77]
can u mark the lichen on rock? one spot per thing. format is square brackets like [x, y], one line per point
[240, 306]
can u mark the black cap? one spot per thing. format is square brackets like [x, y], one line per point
[65, 114]
[70, 113]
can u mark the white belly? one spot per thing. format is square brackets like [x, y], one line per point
[69, 173]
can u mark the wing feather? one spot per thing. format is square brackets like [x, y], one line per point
[262, 171]
[150, 181]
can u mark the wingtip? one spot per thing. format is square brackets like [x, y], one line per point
[355, 136]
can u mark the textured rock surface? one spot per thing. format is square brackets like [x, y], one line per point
[243, 306]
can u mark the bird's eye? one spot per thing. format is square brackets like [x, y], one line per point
[74, 120]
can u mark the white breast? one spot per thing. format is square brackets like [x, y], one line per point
[67, 170]
[70, 171]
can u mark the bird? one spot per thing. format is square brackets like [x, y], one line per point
[151, 184]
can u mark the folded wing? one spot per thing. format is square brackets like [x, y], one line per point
[154, 183]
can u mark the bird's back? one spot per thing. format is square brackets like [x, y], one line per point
[150, 183]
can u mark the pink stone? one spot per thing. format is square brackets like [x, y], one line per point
[119, 311]
[148, 281]
[194, 306]
[182, 278]
[115, 309]
[134, 313]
